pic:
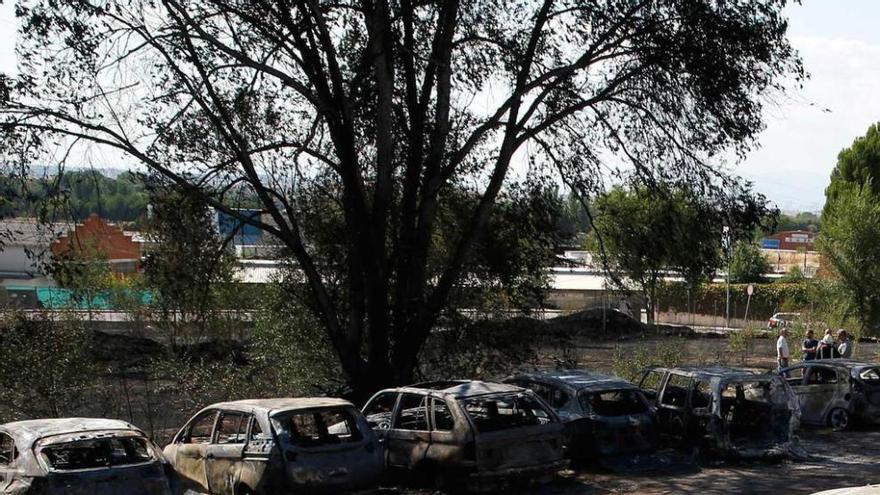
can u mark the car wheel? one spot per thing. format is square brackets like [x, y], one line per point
[838, 419]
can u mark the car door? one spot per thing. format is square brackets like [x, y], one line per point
[409, 435]
[818, 393]
[226, 451]
[192, 450]
[651, 383]
[672, 405]
[446, 433]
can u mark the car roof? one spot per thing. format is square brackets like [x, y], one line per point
[279, 405]
[578, 379]
[712, 371]
[460, 388]
[840, 363]
[31, 430]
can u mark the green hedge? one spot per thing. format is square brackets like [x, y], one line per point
[709, 299]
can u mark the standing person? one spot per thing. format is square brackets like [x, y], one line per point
[809, 346]
[826, 346]
[846, 344]
[782, 352]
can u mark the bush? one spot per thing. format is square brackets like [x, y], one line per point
[45, 367]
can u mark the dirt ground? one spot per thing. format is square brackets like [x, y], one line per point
[835, 459]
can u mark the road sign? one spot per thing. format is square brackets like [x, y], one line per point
[750, 290]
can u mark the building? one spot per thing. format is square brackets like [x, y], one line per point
[96, 239]
[24, 250]
[249, 241]
[792, 240]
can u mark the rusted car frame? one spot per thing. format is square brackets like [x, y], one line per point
[79, 456]
[276, 446]
[468, 434]
[836, 392]
[727, 411]
[603, 415]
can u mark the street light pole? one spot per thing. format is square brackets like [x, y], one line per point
[726, 243]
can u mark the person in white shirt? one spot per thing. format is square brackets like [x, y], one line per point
[782, 352]
[846, 345]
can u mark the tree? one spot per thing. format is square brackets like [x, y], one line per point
[189, 267]
[747, 264]
[370, 104]
[645, 233]
[850, 229]
[859, 164]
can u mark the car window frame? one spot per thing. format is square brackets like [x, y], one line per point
[432, 420]
[215, 436]
[397, 411]
[665, 386]
[14, 454]
[396, 394]
[186, 433]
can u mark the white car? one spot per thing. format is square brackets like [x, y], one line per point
[79, 455]
[276, 446]
[780, 320]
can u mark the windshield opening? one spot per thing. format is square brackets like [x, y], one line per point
[320, 427]
[614, 402]
[97, 453]
[505, 411]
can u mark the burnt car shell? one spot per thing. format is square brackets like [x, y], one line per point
[81, 456]
[478, 434]
[728, 411]
[275, 446]
[603, 415]
[836, 392]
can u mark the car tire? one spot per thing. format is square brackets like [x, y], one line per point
[838, 419]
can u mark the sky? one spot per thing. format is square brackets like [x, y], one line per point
[840, 44]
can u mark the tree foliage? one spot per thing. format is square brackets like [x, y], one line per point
[747, 263]
[850, 230]
[382, 108]
[859, 164]
[189, 268]
[646, 233]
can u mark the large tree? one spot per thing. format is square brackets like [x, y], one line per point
[645, 234]
[382, 107]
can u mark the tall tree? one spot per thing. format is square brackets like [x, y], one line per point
[647, 233]
[392, 103]
[859, 164]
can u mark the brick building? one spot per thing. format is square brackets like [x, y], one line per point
[792, 240]
[95, 238]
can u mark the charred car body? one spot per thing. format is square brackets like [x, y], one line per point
[730, 412]
[836, 392]
[79, 456]
[603, 415]
[272, 446]
[468, 432]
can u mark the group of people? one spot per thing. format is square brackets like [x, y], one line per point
[827, 348]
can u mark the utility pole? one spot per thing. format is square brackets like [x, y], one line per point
[725, 242]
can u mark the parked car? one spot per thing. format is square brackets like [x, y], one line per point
[477, 434]
[272, 446]
[603, 415]
[780, 320]
[836, 392]
[728, 411]
[79, 455]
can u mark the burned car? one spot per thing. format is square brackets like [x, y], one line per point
[272, 446]
[836, 392]
[603, 415]
[726, 411]
[79, 456]
[472, 434]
